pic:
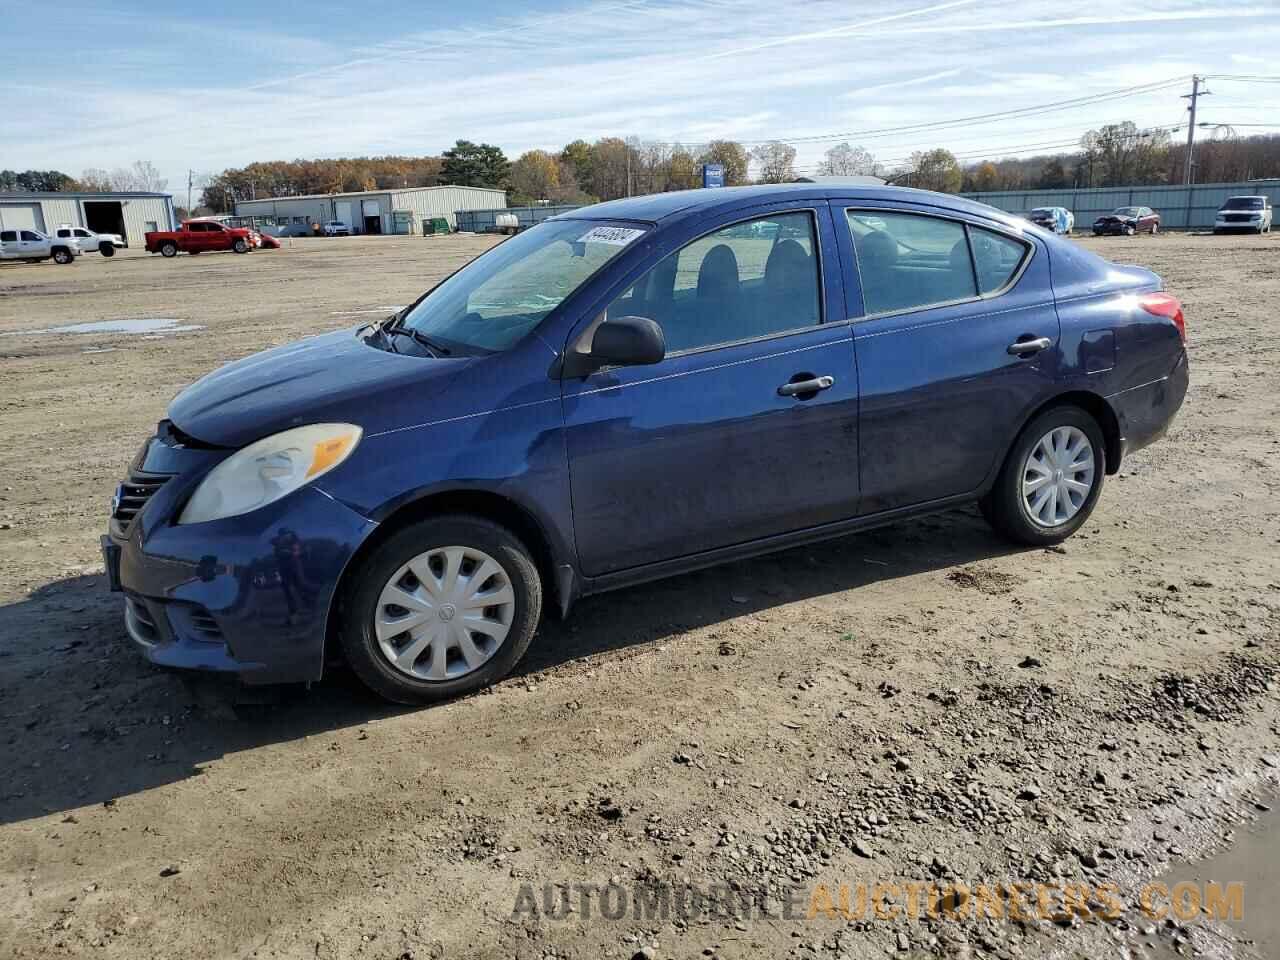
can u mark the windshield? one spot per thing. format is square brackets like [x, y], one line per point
[1243, 203]
[1043, 211]
[495, 300]
[1127, 211]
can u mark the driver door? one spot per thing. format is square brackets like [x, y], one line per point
[715, 445]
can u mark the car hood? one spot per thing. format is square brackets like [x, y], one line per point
[335, 377]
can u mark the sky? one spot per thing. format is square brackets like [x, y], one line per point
[210, 86]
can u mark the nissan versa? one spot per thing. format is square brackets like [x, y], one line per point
[624, 392]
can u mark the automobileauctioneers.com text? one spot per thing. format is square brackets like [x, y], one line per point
[889, 900]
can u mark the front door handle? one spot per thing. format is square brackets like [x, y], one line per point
[803, 388]
[1027, 347]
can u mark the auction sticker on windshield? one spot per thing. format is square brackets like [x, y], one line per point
[616, 236]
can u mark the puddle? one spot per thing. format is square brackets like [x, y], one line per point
[131, 325]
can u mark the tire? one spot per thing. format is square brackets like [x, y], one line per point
[63, 256]
[240, 246]
[1129, 231]
[168, 249]
[1007, 509]
[385, 571]
[107, 249]
[1155, 228]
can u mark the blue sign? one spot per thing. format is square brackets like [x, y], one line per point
[713, 174]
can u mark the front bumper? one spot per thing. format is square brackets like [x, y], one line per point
[250, 595]
[1249, 226]
[1112, 229]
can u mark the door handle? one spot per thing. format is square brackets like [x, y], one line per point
[1025, 348]
[800, 388]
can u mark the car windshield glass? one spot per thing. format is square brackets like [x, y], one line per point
[1126, 211]
[1047, 211]
[495, 300]
[1243, 203]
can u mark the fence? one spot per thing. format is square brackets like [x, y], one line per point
[1179, 207]
[485, 221]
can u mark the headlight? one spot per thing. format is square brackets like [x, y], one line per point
[269, 469]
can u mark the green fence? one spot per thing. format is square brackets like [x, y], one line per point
[1179, 207]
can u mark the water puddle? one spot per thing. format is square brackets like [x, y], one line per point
[139, 325]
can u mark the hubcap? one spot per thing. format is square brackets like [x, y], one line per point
[1057, 477]
[445, 613]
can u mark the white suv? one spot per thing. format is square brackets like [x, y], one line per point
[336, 228]
[33, 246]
[1244, 213]
[90, 242]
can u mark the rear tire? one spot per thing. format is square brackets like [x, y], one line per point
[63, 256]
[168, 249]
[1037, 498]
[431, 566]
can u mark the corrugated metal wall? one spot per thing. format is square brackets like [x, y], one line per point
[140, 213]
[445, 202]
[1179, 207]
[485, 221]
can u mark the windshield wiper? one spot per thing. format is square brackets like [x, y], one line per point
[432, 347]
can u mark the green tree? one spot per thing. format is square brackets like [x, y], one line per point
[936, 170]
[581, 158]
[730, 155]
[470, 164]
[36, 181]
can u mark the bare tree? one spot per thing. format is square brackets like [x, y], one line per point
[843, 160]
[776, 161]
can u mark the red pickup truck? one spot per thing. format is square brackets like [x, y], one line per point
[197, 236]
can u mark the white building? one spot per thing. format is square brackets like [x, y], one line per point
[372, 211]
[128, 214]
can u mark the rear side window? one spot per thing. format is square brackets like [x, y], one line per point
[907, 261]
[64, 233]
[996, 257]
[749, 280]
[9, 236]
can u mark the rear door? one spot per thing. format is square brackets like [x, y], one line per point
[9, 245]
[958, 339]
[716, 445]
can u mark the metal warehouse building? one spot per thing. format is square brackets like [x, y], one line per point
[128, 214]
[372, 211]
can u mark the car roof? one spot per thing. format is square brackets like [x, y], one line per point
[658, 208]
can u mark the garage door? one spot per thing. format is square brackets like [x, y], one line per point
[16, 216]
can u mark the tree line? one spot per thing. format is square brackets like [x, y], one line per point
[1119, 154]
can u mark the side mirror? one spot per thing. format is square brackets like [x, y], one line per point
[624, 342]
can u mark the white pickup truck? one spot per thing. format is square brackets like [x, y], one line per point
[90, 242]
[33, 246]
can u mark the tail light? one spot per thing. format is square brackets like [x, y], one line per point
[1163, 305]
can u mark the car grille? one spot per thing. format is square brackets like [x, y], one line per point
[134, 494]
[1237, 218]
[204, 624]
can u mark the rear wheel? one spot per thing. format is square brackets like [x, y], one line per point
[442, 608]
[168, 249]
[1051, 480]
[62, 255]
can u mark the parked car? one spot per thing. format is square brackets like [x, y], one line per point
[1127, 221]
[90, 242]
[336, 228]
[33, 246]
[1244, 213]
[1055, 219]
[629, 391]
[199, 236]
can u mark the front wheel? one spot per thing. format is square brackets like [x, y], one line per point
[442, 608]
[1155, 228]
[1129, 231]
[240, 246]
[1051, 479]
[107, 249]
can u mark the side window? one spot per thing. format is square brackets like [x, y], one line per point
[28, 235]
[749, 280]
[996, 256]
[907, 261]
[80, 233]
[8, 236]
[64, 233]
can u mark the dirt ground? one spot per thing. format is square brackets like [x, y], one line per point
[920, 705]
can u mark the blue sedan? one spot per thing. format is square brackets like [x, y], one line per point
[629, 391]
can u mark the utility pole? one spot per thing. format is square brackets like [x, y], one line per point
[190, 176]
[1196, 93]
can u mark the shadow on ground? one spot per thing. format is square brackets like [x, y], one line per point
[86, 720]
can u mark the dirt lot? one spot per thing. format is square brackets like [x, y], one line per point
[920, 705]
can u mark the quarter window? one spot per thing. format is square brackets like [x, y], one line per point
[996, 256]
[749, 280]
